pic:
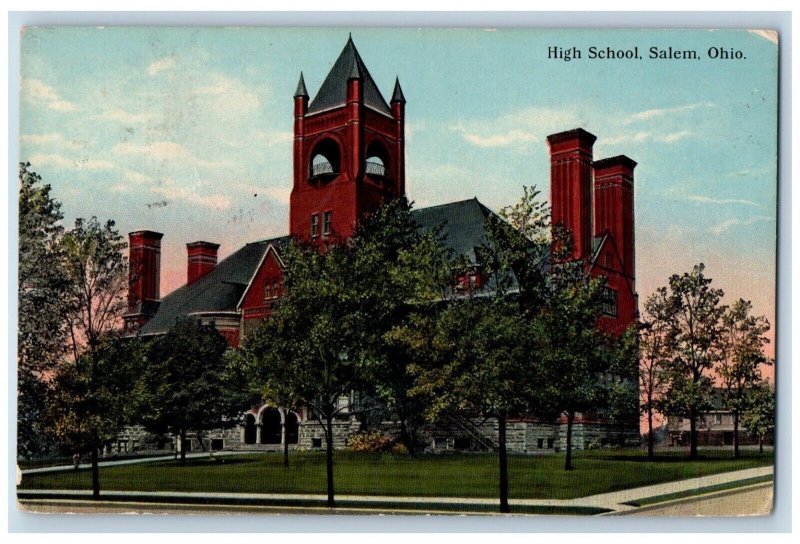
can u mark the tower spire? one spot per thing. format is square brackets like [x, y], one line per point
[301, 88]
[397, 95]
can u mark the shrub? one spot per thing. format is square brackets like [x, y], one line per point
[370, 442]
[400, 449]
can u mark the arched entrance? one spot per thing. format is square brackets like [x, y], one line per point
[270, 426]
[249, 429]
[292, 426]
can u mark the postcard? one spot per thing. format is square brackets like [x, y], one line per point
[393, 270]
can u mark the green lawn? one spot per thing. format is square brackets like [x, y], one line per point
[456, 475]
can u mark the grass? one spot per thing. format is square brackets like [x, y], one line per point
[700, 491]
[456, 475]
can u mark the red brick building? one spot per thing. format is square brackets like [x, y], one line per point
[348, 158]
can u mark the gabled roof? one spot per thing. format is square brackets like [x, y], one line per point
[217, 291]
[463, 224]
[463, 228]
[333, 92]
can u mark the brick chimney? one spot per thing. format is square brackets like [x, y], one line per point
[613, 206]
[571, 186]
[144, 277]
[202, 259]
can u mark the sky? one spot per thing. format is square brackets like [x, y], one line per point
[188, 131]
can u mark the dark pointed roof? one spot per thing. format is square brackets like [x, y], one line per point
[462, 226]
[217, 291]
[301, 88]
[333, 92]
[397, 95]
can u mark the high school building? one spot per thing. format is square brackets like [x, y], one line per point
[349, 158]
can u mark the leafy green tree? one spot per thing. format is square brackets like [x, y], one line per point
[326, 338]
[96, 282]
[623, 382]
[95, 396]
[574, 352]
[190, 385]
[759, 420]
[653, 353]
[481, 364]
[743, 341]
[695, 332]
[41, 333]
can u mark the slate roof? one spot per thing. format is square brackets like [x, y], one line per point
[333, 92]
[462, 228]
[463, 224]
[217, 291]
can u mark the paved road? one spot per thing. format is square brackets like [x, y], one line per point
[750, 502]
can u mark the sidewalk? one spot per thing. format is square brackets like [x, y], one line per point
[605, 502]
[133, 461]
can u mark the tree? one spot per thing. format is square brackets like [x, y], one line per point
[326, 338]
[653, 352]
[94, 397]
[190, 384]
[623, 382]
[694, 329]
[759, 420]
[97, 280]
[480, 367]
[574, 352]
[743, 341]
[40, 330]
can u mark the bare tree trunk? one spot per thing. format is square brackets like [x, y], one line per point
[692, 434]
[329, 455]
[95, 474]
[568, 460]
[503, 455]
[736, 435]
[183, 447]
[760, 443]
[651, 439]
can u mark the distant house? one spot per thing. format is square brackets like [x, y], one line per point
[714, 428]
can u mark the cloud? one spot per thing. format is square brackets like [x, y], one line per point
[519, 128]
[37, 92]
[726, 225]
[164, 151]
[40, 139]
[228, 96]
[121, 116]
[647, 115]
[217, 202]
[58, 161]
[160, 65]
[273, 138]
[645, 136]
[136, 177]
[723, 201]
[512, 137]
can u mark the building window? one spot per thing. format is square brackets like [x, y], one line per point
[267, 293]
[326, 223]
[550, 442]
[315, 225]
[275, 293]
[540, 443]
[718, 419]
[610, 302]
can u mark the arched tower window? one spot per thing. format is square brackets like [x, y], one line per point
[377, 162]
[326, 159]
